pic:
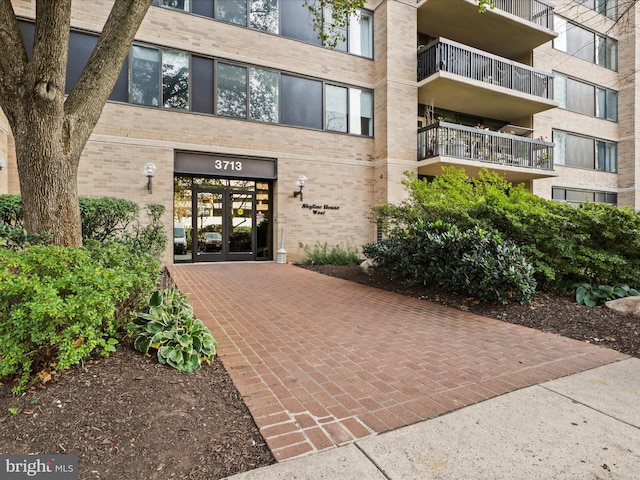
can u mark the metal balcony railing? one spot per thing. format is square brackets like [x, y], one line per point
[535, 11]
[451, 140]
[453, 57]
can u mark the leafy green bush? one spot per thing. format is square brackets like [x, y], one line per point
[321, 254]
[476, 261]
[591, 243]
[170, 328]
[106, 217]
[104, 220]
[16, 237]
[592, 295]
[11, 210]
[60, 304]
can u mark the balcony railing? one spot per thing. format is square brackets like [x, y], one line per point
[453, 57]
[451, 140]
[535, 11]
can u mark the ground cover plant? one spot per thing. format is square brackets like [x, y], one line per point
[170, 329]
[322, 254]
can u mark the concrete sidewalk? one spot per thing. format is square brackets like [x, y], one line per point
[584, 426]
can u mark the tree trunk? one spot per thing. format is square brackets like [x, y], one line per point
[48, 183]
[51, 131]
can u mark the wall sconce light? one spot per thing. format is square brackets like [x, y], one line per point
[149, 171]
[300, 183]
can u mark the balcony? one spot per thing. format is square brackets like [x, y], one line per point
[518, 158]
[464, 79]
[512, 29]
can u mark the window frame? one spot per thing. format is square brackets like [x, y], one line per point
[595, 195]
[604, 164]
[194, 7]
[610, 46]
[562, 95]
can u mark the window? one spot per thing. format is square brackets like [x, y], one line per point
[232, 11]
[81, 46]
[606, 7]
[144, 87]
[575, 196]
[607, 156]
[175, 79]
[585, 44]
[301, 102]
[361, 34]
[607, 104]
[361, 112]
[264, 15]
[263, 95]
[202, 84]
[297, 22]
[231, 89]
[356, 38]
[580, 97]
[585, 152]
[177, 4]
[586, 98]
[607, 52]
[336, 108]
[290, 18]
[334, 32]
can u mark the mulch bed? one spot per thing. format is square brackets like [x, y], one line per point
[127, 417]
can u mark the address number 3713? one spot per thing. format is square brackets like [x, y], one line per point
[228, 165]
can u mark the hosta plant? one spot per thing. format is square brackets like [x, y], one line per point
[179, 339]
[593, 295]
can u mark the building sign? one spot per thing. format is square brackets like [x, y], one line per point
[225, 166]
[319, 209]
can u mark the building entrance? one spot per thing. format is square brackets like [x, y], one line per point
[222, 219]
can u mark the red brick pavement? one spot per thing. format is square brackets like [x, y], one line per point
[322, 362]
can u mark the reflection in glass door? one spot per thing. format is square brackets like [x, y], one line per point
[207, 231]
[222, 219]
[241, 231]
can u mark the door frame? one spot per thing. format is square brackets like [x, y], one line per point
[226, 255]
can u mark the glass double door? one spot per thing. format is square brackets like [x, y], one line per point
[223, 227]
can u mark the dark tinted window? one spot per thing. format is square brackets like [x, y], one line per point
[27, 29]
[297, 22]
[202, 84]
[202, 7]
[81, 46]
[120, 92]
[301, 102]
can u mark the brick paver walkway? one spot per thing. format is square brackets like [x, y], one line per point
[321, 361]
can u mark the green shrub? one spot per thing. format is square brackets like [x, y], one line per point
[476, 261]
[16, 237]
[321, 254]
[590, 243]
[106, 217]
[11, 210]
[60, 304]
[592, 295]
[180, 340]
[103, 220]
